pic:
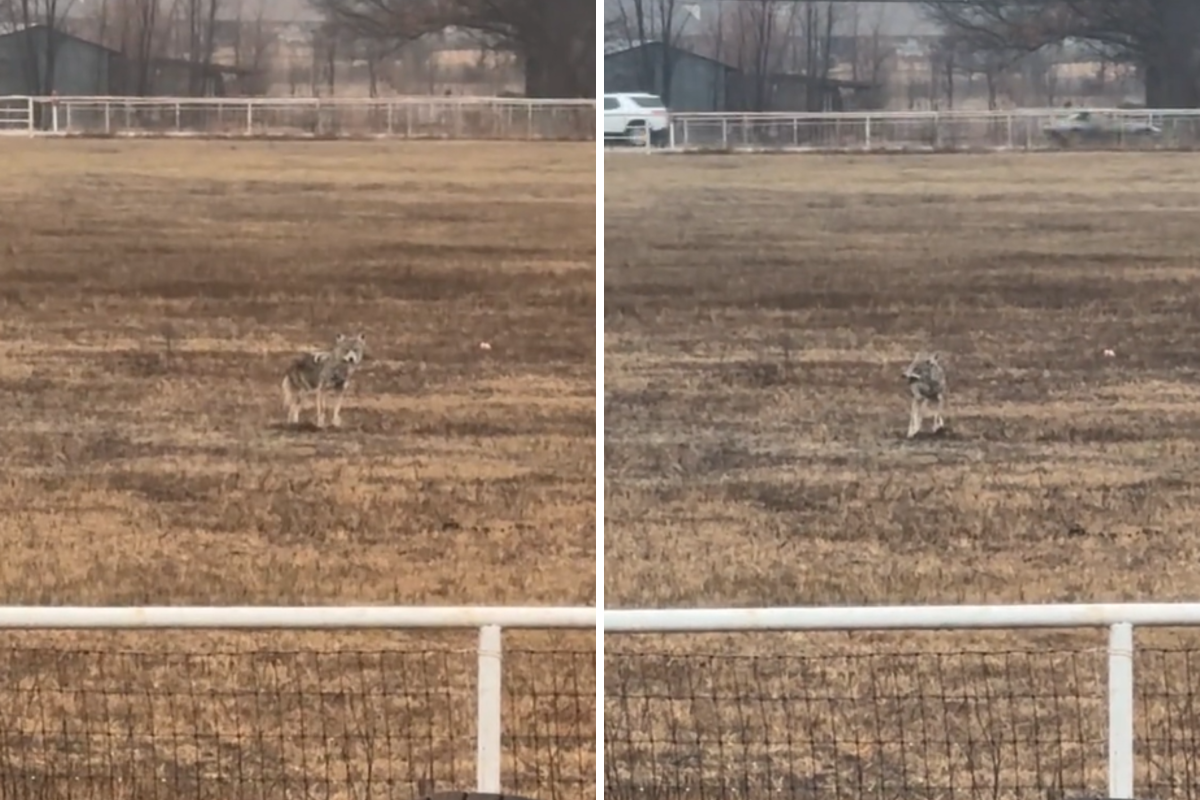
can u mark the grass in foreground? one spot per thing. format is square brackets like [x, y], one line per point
[758, 313]
[152, 294]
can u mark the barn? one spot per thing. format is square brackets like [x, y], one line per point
[79, 67]
[700, 83]
[82, 68]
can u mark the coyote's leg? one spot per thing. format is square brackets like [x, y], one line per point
[914, 418]
[938, 422]
[320, 409]
[337, 409]
[291, 402]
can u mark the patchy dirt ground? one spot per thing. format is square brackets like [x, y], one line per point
[151, 296]
[758, 313]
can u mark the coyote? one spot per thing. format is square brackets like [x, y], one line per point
[322, 371]
[927, 381]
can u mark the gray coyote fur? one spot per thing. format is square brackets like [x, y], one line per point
[320, 372]
[927, 382]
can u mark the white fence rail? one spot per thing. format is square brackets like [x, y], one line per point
[490, 695]
[396, 117]
[928, 131]
[1119, 619]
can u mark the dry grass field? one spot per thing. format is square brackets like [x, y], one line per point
[759, 311]
[152, 295]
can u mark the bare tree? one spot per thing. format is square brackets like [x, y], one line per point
[138, 29]
[818, 50]
[670, 29]
[766, 39]
[329, 42]
[614, 34]
[201, 16]
[554, 39]
[957, 56]
[642, 21]
[143, 27]
[252, 46]
[714, 34]
[1039, 78]
[631, 27]
[869, 55]
[1161, 36]
[757, 54]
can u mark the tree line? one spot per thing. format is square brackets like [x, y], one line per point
[1158, 39]
[1161, 38]
[554, 40]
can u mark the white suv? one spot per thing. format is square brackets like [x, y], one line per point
[630, 116]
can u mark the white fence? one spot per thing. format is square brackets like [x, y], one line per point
[1120, 619]
[490, 621]
[928, 131]
[397, 117]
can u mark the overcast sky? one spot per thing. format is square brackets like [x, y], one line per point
[898, 19]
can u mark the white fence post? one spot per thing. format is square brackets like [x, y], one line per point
[490, 697]
[1120, 711]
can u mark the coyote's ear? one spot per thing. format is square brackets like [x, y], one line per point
[341, 337]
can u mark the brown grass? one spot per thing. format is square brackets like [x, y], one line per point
[758, 311]
[152, 294]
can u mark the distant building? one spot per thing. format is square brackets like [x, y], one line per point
[84, 68]
[699, 83]
[793, 92]
[177, 77]
[80, 67]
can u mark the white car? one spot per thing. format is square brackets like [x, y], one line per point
[629, 116]
[1084, 127]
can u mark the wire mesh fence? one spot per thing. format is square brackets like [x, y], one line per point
[1167, 722]
[281, 723]
[936, 724]
[553, 754]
